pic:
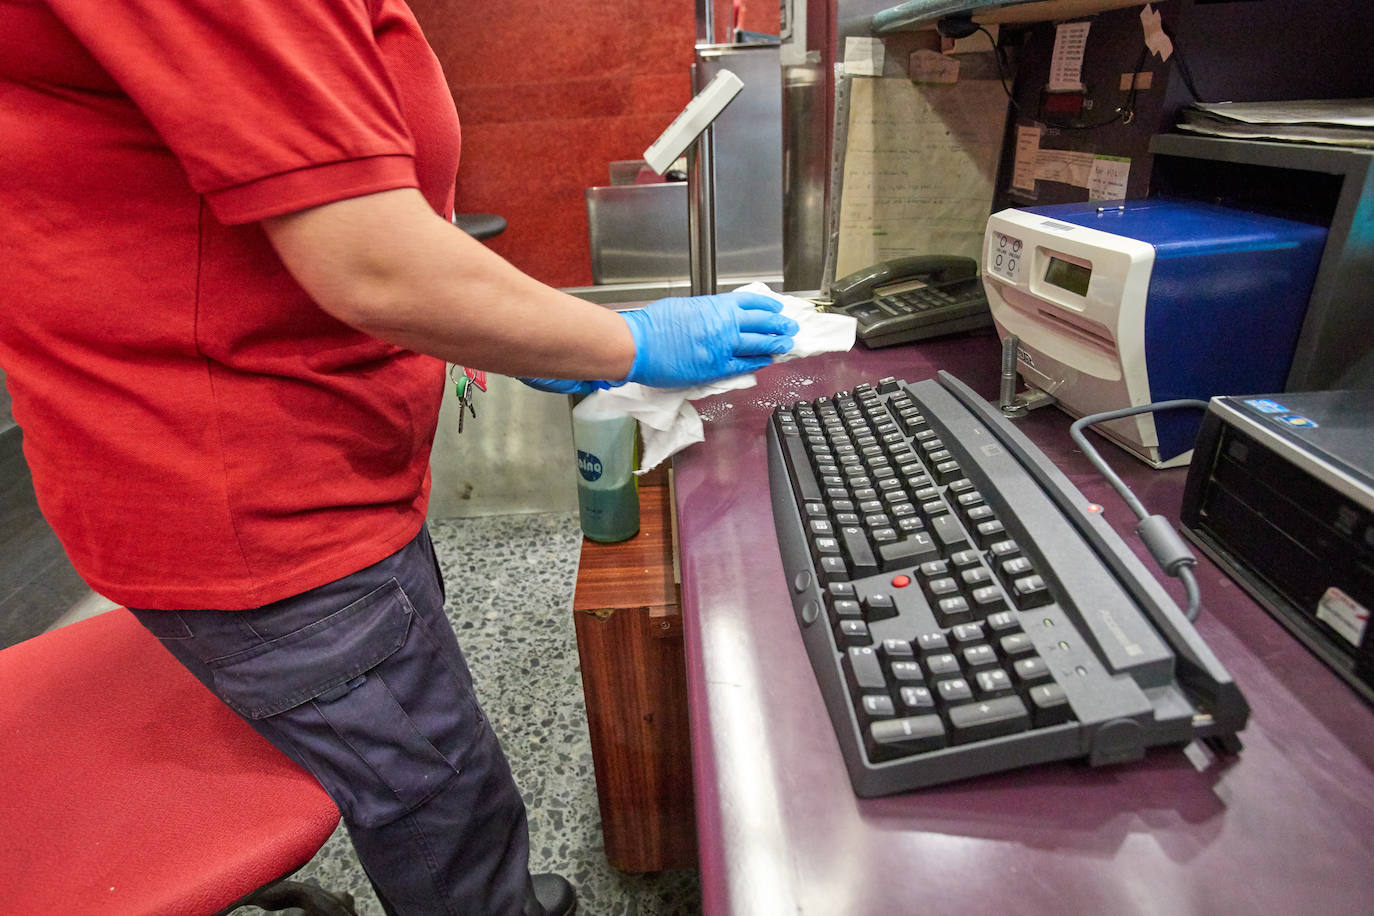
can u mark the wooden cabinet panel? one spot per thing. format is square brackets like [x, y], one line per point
[629, 641]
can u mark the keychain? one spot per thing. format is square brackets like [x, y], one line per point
[463, 388]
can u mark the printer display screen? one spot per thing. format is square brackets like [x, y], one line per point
[1071, 277]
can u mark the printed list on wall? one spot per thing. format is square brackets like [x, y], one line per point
[919, 169]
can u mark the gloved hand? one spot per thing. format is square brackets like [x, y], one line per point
[684, 342]
[564, 385]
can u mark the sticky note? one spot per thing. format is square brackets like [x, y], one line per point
[1155, 39]
[863, 56]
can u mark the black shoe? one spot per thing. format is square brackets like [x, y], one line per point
[554, 894]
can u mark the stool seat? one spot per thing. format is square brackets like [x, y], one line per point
[480, 226]
[129, 788]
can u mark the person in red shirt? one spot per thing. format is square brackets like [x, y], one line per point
[231, 287]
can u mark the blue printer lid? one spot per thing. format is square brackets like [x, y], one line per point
[1183, 227]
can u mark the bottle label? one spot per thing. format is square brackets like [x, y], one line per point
[588, 465]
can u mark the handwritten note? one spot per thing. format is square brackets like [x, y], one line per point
[919, 168]
[1107, 178]
[1066, 61]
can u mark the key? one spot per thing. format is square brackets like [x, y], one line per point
[901, 737]
[992, 717]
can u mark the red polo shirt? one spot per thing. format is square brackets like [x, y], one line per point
[200, 433]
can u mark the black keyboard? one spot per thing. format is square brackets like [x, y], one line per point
[965, 609]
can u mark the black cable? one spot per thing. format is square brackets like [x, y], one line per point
[1124, 113]
[1183, 69]
[1159, 535]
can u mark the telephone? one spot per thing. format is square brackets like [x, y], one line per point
[913, 298]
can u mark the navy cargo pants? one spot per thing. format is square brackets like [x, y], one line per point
[361, 682]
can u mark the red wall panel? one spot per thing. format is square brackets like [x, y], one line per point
[549, 93]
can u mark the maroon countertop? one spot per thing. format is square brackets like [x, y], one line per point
[1286, 827]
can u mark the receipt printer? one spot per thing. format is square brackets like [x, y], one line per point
[1121, 304]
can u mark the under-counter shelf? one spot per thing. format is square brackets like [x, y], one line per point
[923, 14]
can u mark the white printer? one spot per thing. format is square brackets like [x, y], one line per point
[1120, 304]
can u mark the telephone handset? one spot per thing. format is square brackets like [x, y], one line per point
[913, 298]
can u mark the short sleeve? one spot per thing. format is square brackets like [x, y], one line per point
[271, 106]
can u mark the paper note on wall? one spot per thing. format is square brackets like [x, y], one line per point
[1064, 166]
[1027, 158]
[919, 168]
[1066, 61]
[1107, 178]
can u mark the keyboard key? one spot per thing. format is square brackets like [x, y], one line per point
[1015, 568]
[980, 657]
[953, 690]
[987, 532]
[833, 569]
[877, 706]
[1029, 592]
[986, 600]
[844, 609]
[989, 718]
[891, 738]
[1031, 670]
[916, 699]
[946, 471]
[944, 587]
[1016, 645]
[928, 643]
[1003, 623]
[911, 550]
[879, 607]
[934, 569]
[862, 671]
[949, 534]
[896, 650]
[993, 682]
[966, 634]
[976, 577]
[906, 674]
[962, 559]
[1004, 549]
[861, 560]
[942, 664]
[1049, 705]
[853, 633]
[953, 610]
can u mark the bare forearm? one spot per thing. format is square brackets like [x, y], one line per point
[386, 264]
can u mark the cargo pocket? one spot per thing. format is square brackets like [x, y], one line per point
[367, 701]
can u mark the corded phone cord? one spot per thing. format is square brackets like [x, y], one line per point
[1164, 543]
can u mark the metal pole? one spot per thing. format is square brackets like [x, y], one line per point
[701, 215]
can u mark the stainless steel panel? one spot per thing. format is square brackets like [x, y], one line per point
[747, 142]
[638, 232]
[807, 169]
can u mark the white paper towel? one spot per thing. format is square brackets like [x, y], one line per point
[669, 423]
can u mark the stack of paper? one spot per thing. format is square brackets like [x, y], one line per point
[1338, 122]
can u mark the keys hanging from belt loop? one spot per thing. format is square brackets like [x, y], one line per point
[464, 388]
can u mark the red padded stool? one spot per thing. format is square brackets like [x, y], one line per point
[128, 788]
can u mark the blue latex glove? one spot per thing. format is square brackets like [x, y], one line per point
[564, 385]
[685, 342]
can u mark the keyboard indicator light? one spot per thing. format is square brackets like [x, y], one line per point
[1094, 508]
[901, 581]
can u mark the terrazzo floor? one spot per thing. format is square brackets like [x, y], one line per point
[510, 586]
